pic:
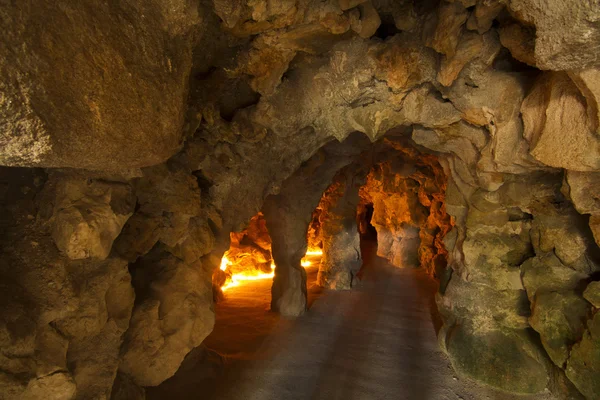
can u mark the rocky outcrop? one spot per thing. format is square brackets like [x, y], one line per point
[88, 215]
[63, 320]
[558, 127]
[120, 106]
[173, 315]
[167, 240]
[557, 48]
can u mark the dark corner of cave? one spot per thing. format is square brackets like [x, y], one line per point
[300, 199]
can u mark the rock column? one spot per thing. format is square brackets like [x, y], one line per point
[341, 241]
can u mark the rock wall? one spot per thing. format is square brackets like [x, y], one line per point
[164, 126]
[66, 303]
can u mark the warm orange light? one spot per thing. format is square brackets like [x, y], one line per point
[225, 263]
[314, 252]
[255, 275]
[237, 279]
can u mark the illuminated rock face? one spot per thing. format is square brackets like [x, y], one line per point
[407, 195]
[167, 125]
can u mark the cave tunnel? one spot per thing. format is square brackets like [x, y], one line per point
[299, 199]
[307, 240]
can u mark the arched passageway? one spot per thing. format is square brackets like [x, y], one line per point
[394, 189]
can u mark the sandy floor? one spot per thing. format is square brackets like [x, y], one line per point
[374, 342]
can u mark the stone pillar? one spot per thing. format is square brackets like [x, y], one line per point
[289, 213]
[287, 227]
[341, 241]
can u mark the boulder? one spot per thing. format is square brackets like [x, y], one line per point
[557, 125]
[503, 359]
[547, 273]
[88, 214]
[468, 48]
[483, 16]
[451, 16]
[557, 48]
[592, 293]
[173, 315]
[583, 367]
[404, 62]
[520, 40]
[59, 386]
[559, 319]
[122, 107]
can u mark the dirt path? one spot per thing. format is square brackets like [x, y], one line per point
[374, 342]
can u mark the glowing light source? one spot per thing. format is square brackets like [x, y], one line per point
[237, 279]
[225, 263]
[255, 275]
[314, 252]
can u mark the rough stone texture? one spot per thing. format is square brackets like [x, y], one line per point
[500, 359]
[557, 317]
[520, 40]
[451, 17]
[582, 367]
[467, 49]
[57, 386]
[482, 18]
[557, 48]
[341, 242]
[557, 125]
[404, 63]
[88, 215]
[274, 88]
[121, 105]
[172, 278]
[63, 320]
[592, 294]
[168, 204]
[588, 82]
[369, 20]
[125, 389]
[173, 315]
[485, 299]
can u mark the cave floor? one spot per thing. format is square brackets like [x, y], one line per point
[375, 342]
